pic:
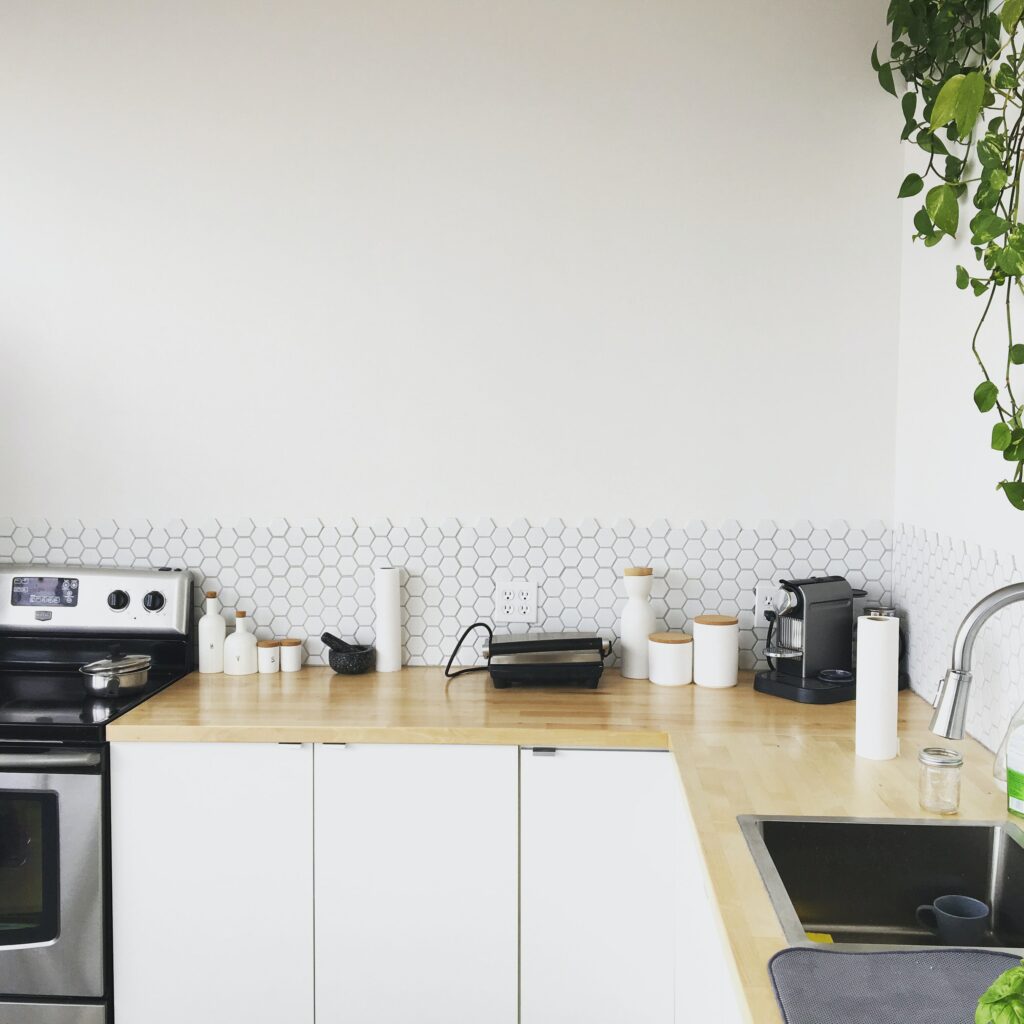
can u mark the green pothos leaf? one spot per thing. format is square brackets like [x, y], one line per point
[1001, 437]
[931, 143]
[987, 226]
[943, 208]
[1017, 354]
[1010, 14]
[1006, 78]
[885, 79]
[969, 102]
[1010, 261]
[959, 100]
[944, 107]
[912, 185]
[1003, 1010]
[963, 279]
[990, 150]
[985, 395]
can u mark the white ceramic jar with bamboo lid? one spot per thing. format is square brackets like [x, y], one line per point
[716, 650]
[670, 658]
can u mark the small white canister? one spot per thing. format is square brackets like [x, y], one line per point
[291, 655]
[268, 656]
[670, 658]
[716, 650]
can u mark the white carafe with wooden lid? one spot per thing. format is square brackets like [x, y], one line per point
[240, 649]
[637, 621]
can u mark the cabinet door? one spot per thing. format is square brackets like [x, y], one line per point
[597, 841]
[416, 870]
[705, 981]
[212, 848]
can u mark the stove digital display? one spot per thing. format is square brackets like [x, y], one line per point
[44, 592]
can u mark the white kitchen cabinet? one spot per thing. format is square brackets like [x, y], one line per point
[212, 882]
[705, 984]
[416, 884]
[597, 848]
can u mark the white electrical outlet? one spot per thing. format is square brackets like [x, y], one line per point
[764, 601]
[515, 601]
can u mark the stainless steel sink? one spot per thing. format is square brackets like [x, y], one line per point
[861, 880]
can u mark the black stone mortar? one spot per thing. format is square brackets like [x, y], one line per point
[353, 661]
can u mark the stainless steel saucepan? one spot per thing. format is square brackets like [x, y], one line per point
[112, 677]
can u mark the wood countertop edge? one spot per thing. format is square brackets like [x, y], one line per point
[736, 752]
[516, 736]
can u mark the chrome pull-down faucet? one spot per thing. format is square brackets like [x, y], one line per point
[951, 701]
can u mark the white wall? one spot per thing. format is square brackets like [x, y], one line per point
[946, 471]
[430, 256]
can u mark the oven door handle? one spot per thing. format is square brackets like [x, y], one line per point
[50, 760]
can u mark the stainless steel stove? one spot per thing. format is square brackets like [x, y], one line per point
[55, 948]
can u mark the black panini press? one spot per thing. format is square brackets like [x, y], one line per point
[547, 659]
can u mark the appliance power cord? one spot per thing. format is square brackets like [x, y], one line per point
[449, 674]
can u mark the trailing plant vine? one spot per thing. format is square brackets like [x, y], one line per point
[963, 66]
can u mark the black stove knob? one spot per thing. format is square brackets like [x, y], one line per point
[118, 600]
[153, 601]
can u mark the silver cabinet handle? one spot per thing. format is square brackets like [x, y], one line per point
[51, 759]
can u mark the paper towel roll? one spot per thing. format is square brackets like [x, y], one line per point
[878, 681]
[387, 607]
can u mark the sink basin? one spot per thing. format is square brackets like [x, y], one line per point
[861, 880]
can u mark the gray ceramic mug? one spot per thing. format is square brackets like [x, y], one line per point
[957, 920]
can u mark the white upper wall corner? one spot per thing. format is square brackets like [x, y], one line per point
[428, 257]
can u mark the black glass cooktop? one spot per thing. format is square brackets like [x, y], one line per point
[54, 706]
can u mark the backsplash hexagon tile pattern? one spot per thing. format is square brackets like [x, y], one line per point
[300, 577]
[936, 581]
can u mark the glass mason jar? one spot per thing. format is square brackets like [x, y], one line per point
[939, 780]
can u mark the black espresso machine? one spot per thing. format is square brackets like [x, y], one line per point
[55, 906]
[810, 642]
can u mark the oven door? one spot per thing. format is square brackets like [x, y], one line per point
[51, 873]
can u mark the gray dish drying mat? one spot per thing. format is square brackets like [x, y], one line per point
[940, 986]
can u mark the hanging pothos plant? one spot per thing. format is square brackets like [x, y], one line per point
[963, 65]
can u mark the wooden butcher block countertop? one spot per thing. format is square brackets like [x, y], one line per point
[738, 752]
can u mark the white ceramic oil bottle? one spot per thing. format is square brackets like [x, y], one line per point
[240, 649]
[212, 630]
[637, 621]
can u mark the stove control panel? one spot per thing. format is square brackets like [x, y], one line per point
[51, 598]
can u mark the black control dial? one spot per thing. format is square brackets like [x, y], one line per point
[118, 600]
[153, 601]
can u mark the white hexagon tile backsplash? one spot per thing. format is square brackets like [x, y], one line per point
[936, 581]
[300, 577]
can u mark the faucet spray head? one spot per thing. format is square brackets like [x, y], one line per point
[951, 705]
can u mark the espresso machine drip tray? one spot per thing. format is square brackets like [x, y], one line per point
[814, 690]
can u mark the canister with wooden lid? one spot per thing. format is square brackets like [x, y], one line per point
[670, 658]
[716, 650]
[291, 654]
[268, 655]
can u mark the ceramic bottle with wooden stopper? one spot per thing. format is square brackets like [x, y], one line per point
[211, 630]
[637, 621]
[240, 649]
